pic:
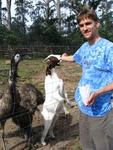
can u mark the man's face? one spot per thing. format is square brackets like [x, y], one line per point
[89, 28]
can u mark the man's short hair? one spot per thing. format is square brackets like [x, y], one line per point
[87, 12]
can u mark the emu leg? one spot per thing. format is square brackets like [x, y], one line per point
[29, 138]
[2, 134]
[29, 133]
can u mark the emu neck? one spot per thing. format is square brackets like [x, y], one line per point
[12, 80]
[12, 87]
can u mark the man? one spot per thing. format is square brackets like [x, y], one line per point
[95, 86]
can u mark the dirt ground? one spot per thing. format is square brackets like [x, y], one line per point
[66, 132]
[66, 128]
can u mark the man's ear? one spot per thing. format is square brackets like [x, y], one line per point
[98, 24]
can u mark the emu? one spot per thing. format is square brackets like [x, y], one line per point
[27, 97]
[19, 103]
[54, 97]
[7, 98]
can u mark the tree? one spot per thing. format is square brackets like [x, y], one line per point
[58, 12]
[44, 23]
[23, 8]
[44, 9]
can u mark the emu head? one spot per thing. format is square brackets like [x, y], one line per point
[16, 58]
[52, 61]
[14, 66]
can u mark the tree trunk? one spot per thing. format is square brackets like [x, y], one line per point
[58, 14]
[9, 14]
[23, 17]
[0, 12]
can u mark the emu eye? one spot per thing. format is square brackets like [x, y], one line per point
[17, 57]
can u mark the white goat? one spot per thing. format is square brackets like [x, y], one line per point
[54, 97]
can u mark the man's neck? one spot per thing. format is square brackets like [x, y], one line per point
[93, 40]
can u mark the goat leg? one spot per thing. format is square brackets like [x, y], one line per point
[52, 126]
[47, 126]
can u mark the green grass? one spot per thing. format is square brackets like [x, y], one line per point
[27, 70]
[32, 70]
[3, 70]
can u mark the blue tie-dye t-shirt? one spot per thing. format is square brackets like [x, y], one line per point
[97, 71]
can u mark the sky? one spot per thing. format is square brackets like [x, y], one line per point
[12, 6]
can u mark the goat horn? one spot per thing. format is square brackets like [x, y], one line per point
[57, 56]
[47, 58]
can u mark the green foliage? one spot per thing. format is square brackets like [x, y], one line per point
[45, 31]
[7, 36]
[75, 38]
[50, 34]
[17, 27]
[11, 39]
[107, 32]
[36, 29]
[94, 3]
[3, 33]
[45, 27]
[106, 20]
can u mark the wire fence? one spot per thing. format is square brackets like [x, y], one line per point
[66, 127]
[37, 51]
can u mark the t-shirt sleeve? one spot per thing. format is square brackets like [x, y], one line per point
[77, 56]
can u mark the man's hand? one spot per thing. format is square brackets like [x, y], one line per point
[91, 99]
[67, 57]
[63, 55]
